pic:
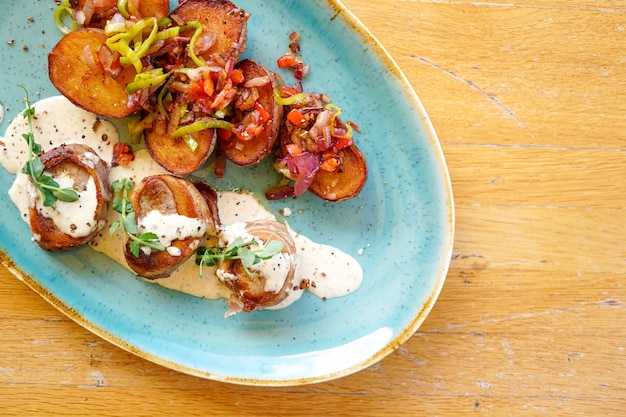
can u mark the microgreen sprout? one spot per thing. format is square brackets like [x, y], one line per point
[127, 223]
[238, 250]
[34, 167]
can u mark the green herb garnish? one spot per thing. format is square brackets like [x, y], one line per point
[238, 250]
[128, 222]
[49, 188]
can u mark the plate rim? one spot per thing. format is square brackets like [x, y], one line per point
[360, 30]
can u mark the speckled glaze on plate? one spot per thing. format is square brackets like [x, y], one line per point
[400, 228]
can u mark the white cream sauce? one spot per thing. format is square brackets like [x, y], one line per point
[56, 121]
[69, 218]
[323, 270]
[275, 270]
[170, 227]
[51, 130]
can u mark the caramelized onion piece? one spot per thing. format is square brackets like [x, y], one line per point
[80, 163]
[263, 288]
[170, 197]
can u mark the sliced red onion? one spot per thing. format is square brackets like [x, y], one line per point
[229, 65]
[90, 59]
[118, 18]
[107, 59]
[303, 168]
[257, 81]
[303, 183]
[80, 17]
[204, 42]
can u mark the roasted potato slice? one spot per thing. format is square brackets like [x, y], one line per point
[74, 69]
[89, 13]
[81, 164]
[221, 18]
[267, 283]
[248, 152]
[149, 8]
[344, 184]
[175, 200]
[174, 154]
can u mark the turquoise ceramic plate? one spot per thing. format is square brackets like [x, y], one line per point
[400, 228]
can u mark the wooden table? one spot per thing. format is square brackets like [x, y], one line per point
[529, 101]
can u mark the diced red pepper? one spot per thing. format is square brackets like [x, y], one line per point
[296, 117]
[330, 164]
[293, 149]
[340, 143]
[197, 91]
[289, 91]
[224, 134]
[208, 86]
[287, 60]
[122, 154]
[237, 76]
[263, 114]
[215, 75]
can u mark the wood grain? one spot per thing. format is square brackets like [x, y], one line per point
[528, 99]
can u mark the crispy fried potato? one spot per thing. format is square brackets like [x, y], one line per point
[85, 83]
[339, 186]
[149, 8]
[96, 15]
[174, 154]
[248, 152]
[80, 163]
[168, 195]
[221, 18]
